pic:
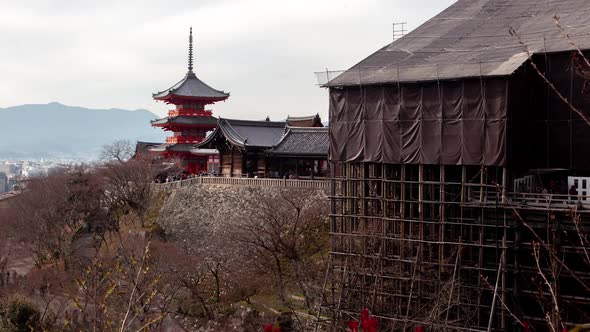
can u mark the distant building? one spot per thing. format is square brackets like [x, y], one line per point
[3, 182]
[189, 121]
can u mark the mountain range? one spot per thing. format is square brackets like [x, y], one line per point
[59, 131]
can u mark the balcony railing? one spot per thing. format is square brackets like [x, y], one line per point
[248, 182]
[183, 139]
[189, 112]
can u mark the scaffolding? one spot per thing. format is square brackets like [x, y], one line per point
[450, 249]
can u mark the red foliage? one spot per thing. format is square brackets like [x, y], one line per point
[526, 326]
[271, 328]
[353, 325]
[367, 324]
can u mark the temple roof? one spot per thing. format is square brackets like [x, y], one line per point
[247, 133]
[299, 141]
[193, 88]
[185, 120]
[473, 38]
[142, 148]
[305, 121]
[190, 87]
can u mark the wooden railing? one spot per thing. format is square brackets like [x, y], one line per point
[251, 182]
[530, 200]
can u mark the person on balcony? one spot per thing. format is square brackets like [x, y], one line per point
[573, 193]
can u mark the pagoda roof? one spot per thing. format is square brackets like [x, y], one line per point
[303, 141]
[185, 120]
[247, 133]
[190, 87]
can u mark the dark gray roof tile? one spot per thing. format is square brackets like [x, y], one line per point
[191, 86]
[298, 141]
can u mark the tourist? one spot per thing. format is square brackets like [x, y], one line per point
[573, 193]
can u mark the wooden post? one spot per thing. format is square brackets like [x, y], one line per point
[504, 183]
[481, 183]
[231, 161]
[441, 207]
[463, 181]
[244, 161]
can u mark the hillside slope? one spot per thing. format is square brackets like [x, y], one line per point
[55, 130]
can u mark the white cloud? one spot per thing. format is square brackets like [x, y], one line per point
[115, 53]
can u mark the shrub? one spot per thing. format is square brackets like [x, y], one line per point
[19, 314]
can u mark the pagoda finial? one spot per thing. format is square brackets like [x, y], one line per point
[190, 51]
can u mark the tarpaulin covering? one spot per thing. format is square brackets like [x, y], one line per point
[451, 123]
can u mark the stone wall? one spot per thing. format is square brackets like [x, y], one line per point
[197, 211]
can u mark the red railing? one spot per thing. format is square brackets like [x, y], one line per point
[189, 112]
[183, 139]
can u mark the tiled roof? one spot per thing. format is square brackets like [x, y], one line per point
[142, 148]
[247, 133]
[305, 121]
[303, 142]
[191, 86]
[472, 38]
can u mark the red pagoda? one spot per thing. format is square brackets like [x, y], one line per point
[189, 121]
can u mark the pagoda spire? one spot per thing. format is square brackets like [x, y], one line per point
[190, 51]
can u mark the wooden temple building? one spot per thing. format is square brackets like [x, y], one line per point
[188, 121]
[301, 153]
[430, 138]
[270, 148]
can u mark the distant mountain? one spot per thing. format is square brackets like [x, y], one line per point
[59, 131]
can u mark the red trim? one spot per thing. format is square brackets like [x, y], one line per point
[173, 127]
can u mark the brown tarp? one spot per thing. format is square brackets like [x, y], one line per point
[450, 123]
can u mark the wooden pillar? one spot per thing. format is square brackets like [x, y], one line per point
[244, 161]
[231, 162]
[220, 169]
[441, 250]
[463, 182]
[504, 183]
[296, 168]
[481, 183]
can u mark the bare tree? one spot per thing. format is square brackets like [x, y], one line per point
[285, 233]
[52, 209]
[120, 151]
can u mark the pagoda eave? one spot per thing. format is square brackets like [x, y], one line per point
[171, 127]
[177, 99]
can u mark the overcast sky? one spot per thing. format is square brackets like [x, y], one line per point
[115, 53]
